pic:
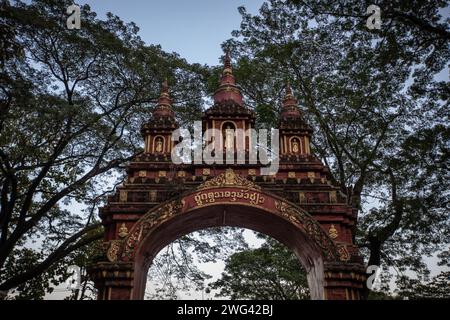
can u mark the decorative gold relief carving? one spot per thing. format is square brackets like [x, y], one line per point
[153, 194]
[230, 179]
[123, 196]
[343, 253]
[123, 231]
[206, 172]
[252, 172]
[149, 221]
[333, 197]
[291, 174]
[162, 173]
[142, 173]
[301, 197]
[181, 174]
[332, 232]
[311, 175]
[310, 225]
[113, 250]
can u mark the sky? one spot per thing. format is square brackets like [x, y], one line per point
[194, 29]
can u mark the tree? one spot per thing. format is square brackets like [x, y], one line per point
[378, 106]
[72, 102]
[175, 269]
[270, 272]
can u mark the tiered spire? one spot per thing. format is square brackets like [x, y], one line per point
[164, 106]
[290, 107]
[228, 91]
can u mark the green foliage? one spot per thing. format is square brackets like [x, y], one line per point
[436, 288]
[175, 269]
[270, 272]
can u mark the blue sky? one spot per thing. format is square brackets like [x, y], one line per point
[193, 28]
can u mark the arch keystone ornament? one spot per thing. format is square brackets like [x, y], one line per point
[297, 212]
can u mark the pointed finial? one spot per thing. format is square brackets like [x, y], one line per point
[164, 105]
[228, 91]
[165, 86]
[227, 59]
[227, 63]
[288, 89]
[290, 107]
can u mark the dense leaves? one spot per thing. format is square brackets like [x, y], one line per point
[271, 272]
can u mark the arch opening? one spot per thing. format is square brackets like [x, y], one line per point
[231, 215]
[226, 263]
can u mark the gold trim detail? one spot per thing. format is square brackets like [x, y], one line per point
[123, 196]
[151, 220]
[113, 250]
[162, 173]
[332, 232]
[311, 227]
[301, 197]
[228, 179]
[333, 196]
[142, 173]
[343, 253]
[123, 231]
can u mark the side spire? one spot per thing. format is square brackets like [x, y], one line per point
[228, 91]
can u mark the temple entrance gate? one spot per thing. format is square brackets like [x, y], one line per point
[161, 201]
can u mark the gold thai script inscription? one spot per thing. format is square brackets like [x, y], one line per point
[254, 198]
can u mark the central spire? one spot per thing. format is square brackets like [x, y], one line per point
[228, 91]
[290, 106]
[164, 106]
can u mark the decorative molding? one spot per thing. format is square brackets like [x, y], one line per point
[311, 227]
[228, 179]
[150, 221]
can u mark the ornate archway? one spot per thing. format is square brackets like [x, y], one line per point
[226, 200]
[161, 201]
